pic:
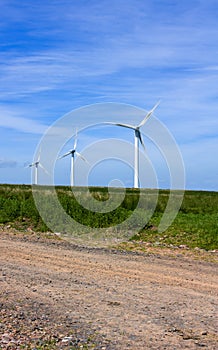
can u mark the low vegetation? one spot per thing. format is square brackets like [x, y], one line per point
[196, 224]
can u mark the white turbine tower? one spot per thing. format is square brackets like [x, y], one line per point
[138, 138]
[37, 165]
[73, 152]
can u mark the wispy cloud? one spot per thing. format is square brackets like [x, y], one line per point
[8, 164]
[178, 43]
[63, 55]
[12, 120]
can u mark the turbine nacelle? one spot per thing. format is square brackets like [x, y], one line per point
[33, 164]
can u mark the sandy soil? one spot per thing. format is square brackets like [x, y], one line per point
[55, 295]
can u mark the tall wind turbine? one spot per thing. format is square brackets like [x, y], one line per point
[73, 152]
[36, 165]
[138, 138]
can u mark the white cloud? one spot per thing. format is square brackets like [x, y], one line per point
[59, 56]
[8, 163]
[12, 120]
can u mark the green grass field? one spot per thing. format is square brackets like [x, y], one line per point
[196, 224]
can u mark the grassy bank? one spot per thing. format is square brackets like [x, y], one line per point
[196, 224]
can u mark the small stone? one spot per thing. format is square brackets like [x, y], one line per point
[67, 339]
[6, 338]
[200, 344]
[57, 234]
[204, 333]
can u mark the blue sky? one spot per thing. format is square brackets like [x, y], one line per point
[57, 56]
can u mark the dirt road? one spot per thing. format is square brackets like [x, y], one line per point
[54, 295]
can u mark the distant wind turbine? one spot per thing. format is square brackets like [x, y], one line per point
[36, 165]
[138, 138]
[73, 152]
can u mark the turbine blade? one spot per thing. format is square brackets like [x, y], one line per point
[148, 115]
[75, 142]
[83, 158]
[126, 126]
[38, 159]
[65, 155]
[141, 140]
[120, 124]
[139, 135]
[42, 167]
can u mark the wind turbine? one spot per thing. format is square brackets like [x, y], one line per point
[73, 152]
[37, 164]
[138, 138]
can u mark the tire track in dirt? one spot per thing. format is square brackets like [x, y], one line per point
[135, 301]
[139, 268]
